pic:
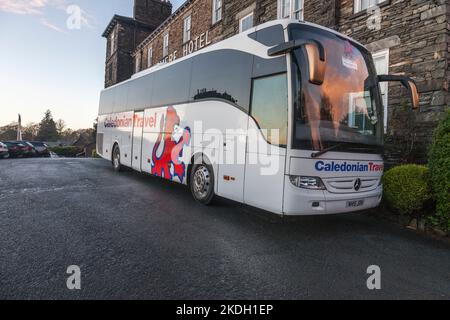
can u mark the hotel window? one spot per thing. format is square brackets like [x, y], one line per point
[166, 45]
[187, 29]
[138, 63]
[246, 23]
[292, 9]
[149, 57]
[361, 5]
[217, 11]
[381, 60]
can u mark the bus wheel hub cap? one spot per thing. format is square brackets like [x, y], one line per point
[201, 182]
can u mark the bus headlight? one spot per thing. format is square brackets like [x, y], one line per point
[312, 183]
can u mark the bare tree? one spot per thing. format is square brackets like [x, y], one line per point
[30, 131]
[60, 126]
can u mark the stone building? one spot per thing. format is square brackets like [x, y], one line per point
[124, 34]
[408, 37]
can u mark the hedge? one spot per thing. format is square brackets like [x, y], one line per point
[439, 164]
[406, 188]
[69, 151]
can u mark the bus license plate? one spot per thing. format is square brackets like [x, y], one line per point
[355, 203]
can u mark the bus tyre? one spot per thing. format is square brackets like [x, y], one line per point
[116, 159]
[202, 183]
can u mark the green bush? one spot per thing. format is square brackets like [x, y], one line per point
[406, 188]
[95, 154]
[439, 164]
[69, 151]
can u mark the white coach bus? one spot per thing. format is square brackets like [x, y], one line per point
[286, 117]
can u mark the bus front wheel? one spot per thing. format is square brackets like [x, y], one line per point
[116, 159]
[202, 183]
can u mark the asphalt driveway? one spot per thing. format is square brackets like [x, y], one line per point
[137, 237]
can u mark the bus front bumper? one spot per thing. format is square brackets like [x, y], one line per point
[299, 201]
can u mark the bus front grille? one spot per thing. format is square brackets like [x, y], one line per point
[347, 185]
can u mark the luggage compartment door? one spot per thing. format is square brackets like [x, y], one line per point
[138, 127]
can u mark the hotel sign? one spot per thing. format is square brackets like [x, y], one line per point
[189, 47]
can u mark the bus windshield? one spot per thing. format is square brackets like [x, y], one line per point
[345, 110]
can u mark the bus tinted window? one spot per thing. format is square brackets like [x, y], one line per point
[171, 85]
[270, 107]
[263, 67]
[106, 102]
[120, 97]
[140, 94]
[224, 74]
[271, 36]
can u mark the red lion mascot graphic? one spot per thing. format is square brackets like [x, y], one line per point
[175, 138]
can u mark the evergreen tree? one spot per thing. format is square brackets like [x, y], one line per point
[47, 128]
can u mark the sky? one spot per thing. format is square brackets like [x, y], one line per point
[52, 56]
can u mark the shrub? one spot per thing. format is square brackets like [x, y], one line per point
[69, 151]
[439, 164]
[95, 154]
[406, 188]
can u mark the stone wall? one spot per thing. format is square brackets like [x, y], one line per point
[152, 12]
[266, 10]
[324, 13]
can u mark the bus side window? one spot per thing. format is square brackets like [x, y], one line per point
[270, 107]
[171, 85]
[140, 94]
[106, 102]
[222, 74]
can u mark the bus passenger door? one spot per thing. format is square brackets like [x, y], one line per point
[267, 140]
[138, 126]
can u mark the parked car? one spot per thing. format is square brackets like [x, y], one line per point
[4, 152]
[30, 148]
[41, 149]
[19, 149]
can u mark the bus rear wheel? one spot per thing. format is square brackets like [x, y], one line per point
[202, 183]
[116, 159]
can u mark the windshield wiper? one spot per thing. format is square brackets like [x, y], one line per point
[337, 146]
[322, 152]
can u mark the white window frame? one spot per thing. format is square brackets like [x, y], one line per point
[353, 99]
[149, 56]
[241, 22]
[217, 11]
[187, 26]
[166, 45]
[384, 86]
[292, 13]
[372, 3]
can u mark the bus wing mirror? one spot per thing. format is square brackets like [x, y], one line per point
[317, 64]
[316, 56]
[408, 83]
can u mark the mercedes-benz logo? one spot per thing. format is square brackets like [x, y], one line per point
[357, 184]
